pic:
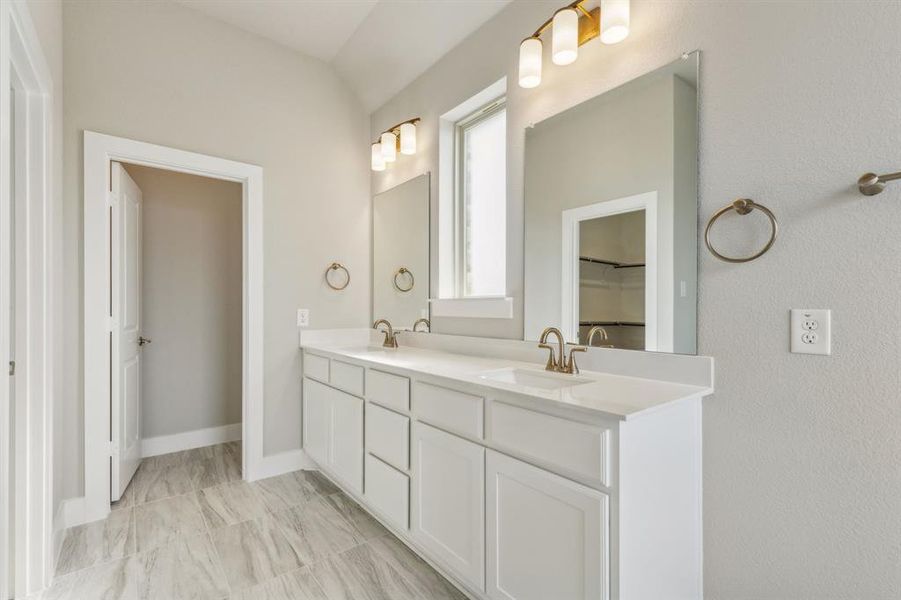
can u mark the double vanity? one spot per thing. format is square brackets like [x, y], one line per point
[532, 469]
[517, 482]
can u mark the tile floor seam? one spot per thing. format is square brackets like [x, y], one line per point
[408, 578]
[209, 533]
[231, 592]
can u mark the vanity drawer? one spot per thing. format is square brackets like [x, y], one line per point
[388, 492]
[574, 448]
[453, 410]
[388, 436]
[347, 377]
[388, 390]
[315, 367]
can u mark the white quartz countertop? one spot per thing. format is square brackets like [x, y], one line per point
[617, 396]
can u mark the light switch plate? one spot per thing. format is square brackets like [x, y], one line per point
[811, 331]
[303, 317]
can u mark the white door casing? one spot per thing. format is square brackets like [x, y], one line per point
[24, 73]
[125, 397]
[99, 151]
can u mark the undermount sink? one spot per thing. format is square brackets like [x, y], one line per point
[370, 349]
[543, 380]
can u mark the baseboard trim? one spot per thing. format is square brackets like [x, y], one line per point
[188, 440]
[69, 513]
[283, 462]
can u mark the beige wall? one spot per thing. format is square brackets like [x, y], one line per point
[163, 73]
[802, 489]
[191, 301]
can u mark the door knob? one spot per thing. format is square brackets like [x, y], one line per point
[142, 340]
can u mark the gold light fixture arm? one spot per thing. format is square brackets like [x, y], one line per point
[395, 129]
[589, 22]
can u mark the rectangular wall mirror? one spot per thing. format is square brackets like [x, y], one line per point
[400, 253]
[611, 216]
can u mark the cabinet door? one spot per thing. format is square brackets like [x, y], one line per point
[346, 448]
[449, 501]
[547, 536]
[317, 420]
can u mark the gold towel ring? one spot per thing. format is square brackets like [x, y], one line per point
[337, 267]
[404, 271]
[742, 206]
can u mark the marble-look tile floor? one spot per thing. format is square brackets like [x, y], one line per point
[188, 528]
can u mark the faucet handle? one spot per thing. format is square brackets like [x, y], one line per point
[551, 360]
[571, 366]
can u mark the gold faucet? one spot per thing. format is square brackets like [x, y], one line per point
[390, 337]
[428, 326]
[595, 330]
[564, 365]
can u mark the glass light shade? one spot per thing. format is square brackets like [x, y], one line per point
[408, 138]
[389, 147]
[614, 21]
[378, 163]
[530, 63]
[565, 29]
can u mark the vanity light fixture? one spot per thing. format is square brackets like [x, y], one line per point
[408, 138]
[399, 138]
[389, 146]
[615, 21]
[565, 36]
[378, 162]
[572, 26]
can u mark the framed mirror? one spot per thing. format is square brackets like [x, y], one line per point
[611, 216]
[400, 253]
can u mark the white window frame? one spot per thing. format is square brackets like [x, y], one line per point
[469, 121]
[449, 304]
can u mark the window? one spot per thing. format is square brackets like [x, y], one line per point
[480, 196]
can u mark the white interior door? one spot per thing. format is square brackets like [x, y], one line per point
[125, 397]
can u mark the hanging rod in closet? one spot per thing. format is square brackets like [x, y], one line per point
[610, 263]
[610, 324]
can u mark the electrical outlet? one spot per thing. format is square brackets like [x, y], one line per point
[303, 317]
[811, 331]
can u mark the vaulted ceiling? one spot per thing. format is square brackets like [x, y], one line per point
[377, 46]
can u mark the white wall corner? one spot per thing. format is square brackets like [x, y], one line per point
[281, 463]
[70, 513]
[473, 308]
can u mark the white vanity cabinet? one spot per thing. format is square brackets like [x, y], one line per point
[515, 497]
[547, 535]
[333, 431]
[449, 501]
[317, 420]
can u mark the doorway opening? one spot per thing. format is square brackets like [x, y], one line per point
[610, 274]
[118, 343]
[612, 279]
[176, 342]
